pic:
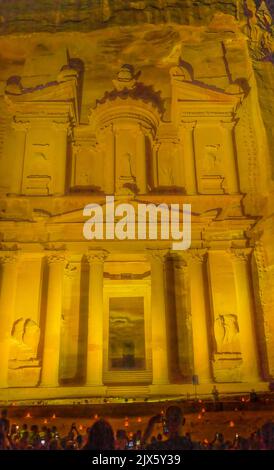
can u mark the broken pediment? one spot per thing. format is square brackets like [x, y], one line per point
[197, 91]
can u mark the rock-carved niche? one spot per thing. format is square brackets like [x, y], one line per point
[226, 331]
[168, 158]
[88, 170]
[25, 336]
[125, 121]
[213, 172]
[227, 363]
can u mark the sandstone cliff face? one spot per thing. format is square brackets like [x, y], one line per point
[222, 42]
[204, 23]
[84, 15]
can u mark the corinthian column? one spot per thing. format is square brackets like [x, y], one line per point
[246, 320]
[52, 337]
[8, 264]
[199, 316]
[60, 162]
[18, 146]
[109, 161]
[189, 156]
[141, 168]
[231, 167]
[158, 318]
[94, 375]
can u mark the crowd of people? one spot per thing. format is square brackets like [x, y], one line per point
[101, 436]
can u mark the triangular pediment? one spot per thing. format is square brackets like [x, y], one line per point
[54, 91]
[197, 91]
[77, 216]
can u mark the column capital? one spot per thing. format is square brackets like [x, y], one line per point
[228, 125]
[20, 126]
[55, 257]
[239, 255]
[188, 125]
[8, 257]
[155, 254]
[143, 130]
[96, 256]
[62, 126]
[196, 255]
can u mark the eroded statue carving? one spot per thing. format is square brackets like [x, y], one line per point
[25, 337]
[226, 330]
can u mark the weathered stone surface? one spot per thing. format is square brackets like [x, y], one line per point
[85, 15]
[141, 70]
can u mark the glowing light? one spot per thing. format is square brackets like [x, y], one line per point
[80, 427]
[28, 415]
[139, 420]
[96, 416]
[54, 416]
[199, 416]
[200, 401]
[126, 424]
[231, 424]
[243, 399]
[162, 412]
[45, 421]
[203, 410]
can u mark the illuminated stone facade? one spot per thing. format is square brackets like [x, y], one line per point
[164, 110]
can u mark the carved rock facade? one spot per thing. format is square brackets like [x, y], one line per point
[161, 112]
